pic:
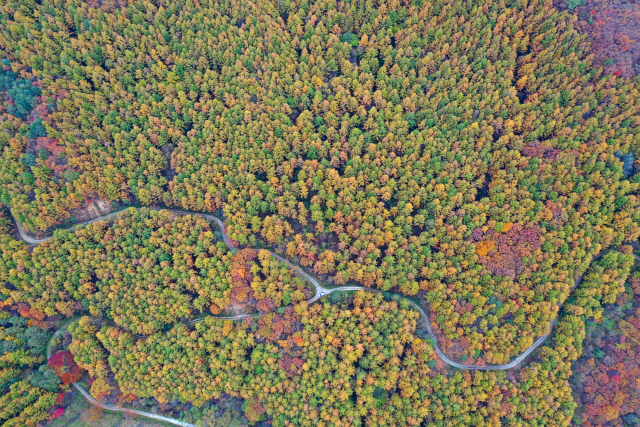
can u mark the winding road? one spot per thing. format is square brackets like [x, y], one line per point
[320, 292]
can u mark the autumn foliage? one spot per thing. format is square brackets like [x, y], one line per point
[27, 387]
[62, 362]
[148, 269]
[608, 374]
[367, 142]
[468, 154]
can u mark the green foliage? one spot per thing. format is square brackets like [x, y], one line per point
[24, 405]
[21, 93]
[16, 338]
[45, 378]
[598, 353]
[36, 129]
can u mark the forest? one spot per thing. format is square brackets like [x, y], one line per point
[148, 270]
[30, 387]
[470, 157]
[369, 140]
[607, 376]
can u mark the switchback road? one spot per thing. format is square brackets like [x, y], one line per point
[320, 292]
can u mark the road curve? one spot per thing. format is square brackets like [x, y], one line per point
[102, 405]
[321, 291]
[130, 411]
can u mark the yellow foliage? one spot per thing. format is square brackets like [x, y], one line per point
[483, 248]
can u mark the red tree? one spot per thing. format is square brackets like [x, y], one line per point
[62, 362]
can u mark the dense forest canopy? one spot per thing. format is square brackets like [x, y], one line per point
[468, 155]
[150, 269]
[28, 384]
[468, 152]
[606, 378]
[358, 362]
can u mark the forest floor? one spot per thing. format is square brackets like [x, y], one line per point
[93, 210]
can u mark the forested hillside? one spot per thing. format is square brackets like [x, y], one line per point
[360, 362]
[469, 155]
[149, 269]
[467, 151]
[607, 376]
[29, 385]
